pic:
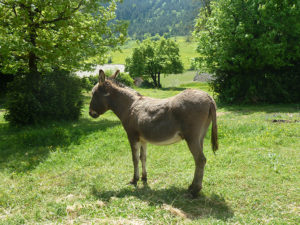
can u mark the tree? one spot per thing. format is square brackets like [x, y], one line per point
[175, 17]
[206, 6]
[42, 41]
[152, 58]
[37, 35]
[252, 47]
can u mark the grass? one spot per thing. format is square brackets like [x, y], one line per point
[175, 80]
[187, 51]
[78, 172]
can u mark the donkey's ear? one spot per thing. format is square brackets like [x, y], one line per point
[101, 76]
[115, 75]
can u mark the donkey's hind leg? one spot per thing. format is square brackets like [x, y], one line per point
[196, 148]
[143, 157]
[135, 150]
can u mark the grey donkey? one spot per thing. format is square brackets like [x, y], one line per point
[185, 116]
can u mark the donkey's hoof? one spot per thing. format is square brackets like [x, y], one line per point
[133, 182]
[144, 179]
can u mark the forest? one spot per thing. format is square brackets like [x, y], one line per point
[174, 17]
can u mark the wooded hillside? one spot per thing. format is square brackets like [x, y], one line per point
[160, 16]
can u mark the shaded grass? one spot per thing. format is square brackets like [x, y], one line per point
[61, 172]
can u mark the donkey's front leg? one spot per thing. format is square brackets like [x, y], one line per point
[135, 150]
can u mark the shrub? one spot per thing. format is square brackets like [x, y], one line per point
[86, 84]
[89, 82]
[56, 97]
[4, 80]
[147, 84]
[126, 79]
[193, 65]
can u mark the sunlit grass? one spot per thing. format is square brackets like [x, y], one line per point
[78, 172]
[175, 80]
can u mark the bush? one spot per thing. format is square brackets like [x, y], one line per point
[89, 82]
[86, 84]
[253, 49]
[56, 97]
[126, 79]
[4, 80]
[193, 65]
[147, 84]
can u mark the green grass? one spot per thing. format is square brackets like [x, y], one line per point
[78, 172]
[187, 51]
[175, 80]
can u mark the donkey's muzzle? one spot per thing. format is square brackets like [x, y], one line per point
[93, 114]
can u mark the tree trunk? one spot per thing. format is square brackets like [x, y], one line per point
[32, 57]
[153, 76]
[33, 75]
[32, 62]
[158, 80]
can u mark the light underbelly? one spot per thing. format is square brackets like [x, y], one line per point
[167, 141]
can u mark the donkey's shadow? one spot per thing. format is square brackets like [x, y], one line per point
[193, 208]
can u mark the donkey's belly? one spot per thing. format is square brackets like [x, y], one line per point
[163, 141]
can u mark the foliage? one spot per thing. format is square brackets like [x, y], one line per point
[187, 49]
[193, 65]
[147, 84]
[78, 172]
[88, 82]
[175, 17]
[253, 49]
[4, 80]
[151, 58]
[58, 97]
[38, 35]
[126, 79]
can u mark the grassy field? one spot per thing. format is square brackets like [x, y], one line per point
[175, 80]
[65, 173]
[187, 51]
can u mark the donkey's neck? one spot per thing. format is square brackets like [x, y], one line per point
[121, 100]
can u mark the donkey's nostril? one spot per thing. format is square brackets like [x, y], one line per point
[93, 114]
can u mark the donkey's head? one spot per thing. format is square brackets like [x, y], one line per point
[100, 95]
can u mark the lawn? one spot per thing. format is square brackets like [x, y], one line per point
[78, 172]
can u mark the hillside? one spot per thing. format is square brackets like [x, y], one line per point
[175, 17]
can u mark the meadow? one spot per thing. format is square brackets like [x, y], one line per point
[77, 172]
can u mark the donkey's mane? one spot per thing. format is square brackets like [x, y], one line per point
[121, 85]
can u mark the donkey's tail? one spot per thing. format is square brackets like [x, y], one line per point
[214, 130]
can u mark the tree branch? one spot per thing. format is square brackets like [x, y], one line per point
[61, 15]
[4, 3]
[12, 5]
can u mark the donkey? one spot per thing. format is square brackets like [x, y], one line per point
[185, 116]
